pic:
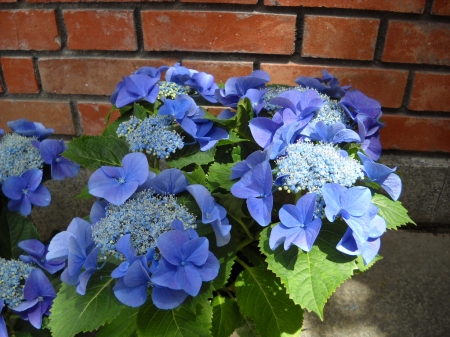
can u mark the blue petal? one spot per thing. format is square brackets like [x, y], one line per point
[205, 201]
[40, 196]
[171, 181]
[260, 209]
[263, 130]
[166, 299]
[195, 251]
[133, 297]
[393, 186]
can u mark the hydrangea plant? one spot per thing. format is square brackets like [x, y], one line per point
[204, 225]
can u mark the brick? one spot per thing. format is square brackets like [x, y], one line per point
[441, 7]
[46, 1]
[218, 32]
[52, 114]
[100, 29]
[1, 87]
[90, 76]
[19, 75]
[430, 92]
[403, 6]
[417, 42]
[222, 70]
[415, 133]
[339, 37]
[385, 85]
[29, 30]
[93, 116]
[4, 1]
[240, 2]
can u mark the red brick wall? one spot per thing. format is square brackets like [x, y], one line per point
[61, 59]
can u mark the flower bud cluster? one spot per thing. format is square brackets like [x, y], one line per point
[170, 90]
[18, 155]
[13, 275]
[145, 216]
[152, 135]
[308, 166]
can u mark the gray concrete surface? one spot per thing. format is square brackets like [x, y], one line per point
[407, 294]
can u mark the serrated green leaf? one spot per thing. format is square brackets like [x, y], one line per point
[73, 313]
[262, 297]
[225, 316]
[392, 211]
[253, 255]
[196, 177]
[93, 152]
[244, 115]
[311, 278]
[219, 174]
[360, 263]
[191, 319]
[84, 194]
[139, 111]
[199, 158]
[124, 325]
[236, 154]
[245, 327]
[232, 139]
[14, 228]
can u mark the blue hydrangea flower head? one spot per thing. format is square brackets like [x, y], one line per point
[355, 102]
[206, 134]
[171, 90]
[383, 175]
[256, 187]
[145, 216]
[185, 262]
[25, 191]
[205, 85]
[297, 225]
[352, 204]
[240, 168]
[334, 133]
[37, 252]
[39, 295]
[170, 181]
[328, 85]
[12, 274]
[134, 88]
[18, 155]
[179, 74]
[308, 166]
[61, 167]
[26, 128]
[151, 71]
[117, 184]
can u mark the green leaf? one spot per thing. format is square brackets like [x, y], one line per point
[232, 139]
[244, 114]
[246, 328]
[84, 194]
[123, 325]
[360, 263]
[73, 313]
[191, 319]
[225, 316]
[392, 211]
[139, 111]
[199, 158]
[232, 204]
[196, 177]
[311, 278]
[14, 228]
[262, 297]
[219, 175]
[226, 256]
[93, 152]
[236, 154]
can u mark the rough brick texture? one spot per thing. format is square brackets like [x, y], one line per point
[52, 114]
[386, 86]
[416, 133]
[430, 92]
[93, 117]
[222, 70]
[406, 6]
[441, 7]
[339, 37]
[240, 2]
[100, 30]
[416, 42]
[8, 1]
[94, 76]
[29, 30]
[19, 75]
[218, 32]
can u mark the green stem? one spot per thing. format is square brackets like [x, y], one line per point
[242, 263]
[243, 226]
[244, 243]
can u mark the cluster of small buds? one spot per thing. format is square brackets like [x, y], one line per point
[13, 275]
[171, 90]
[17, 155]
[272, 92]
[145, 216]
[152, 135]
[331, 112]
[308, 166]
